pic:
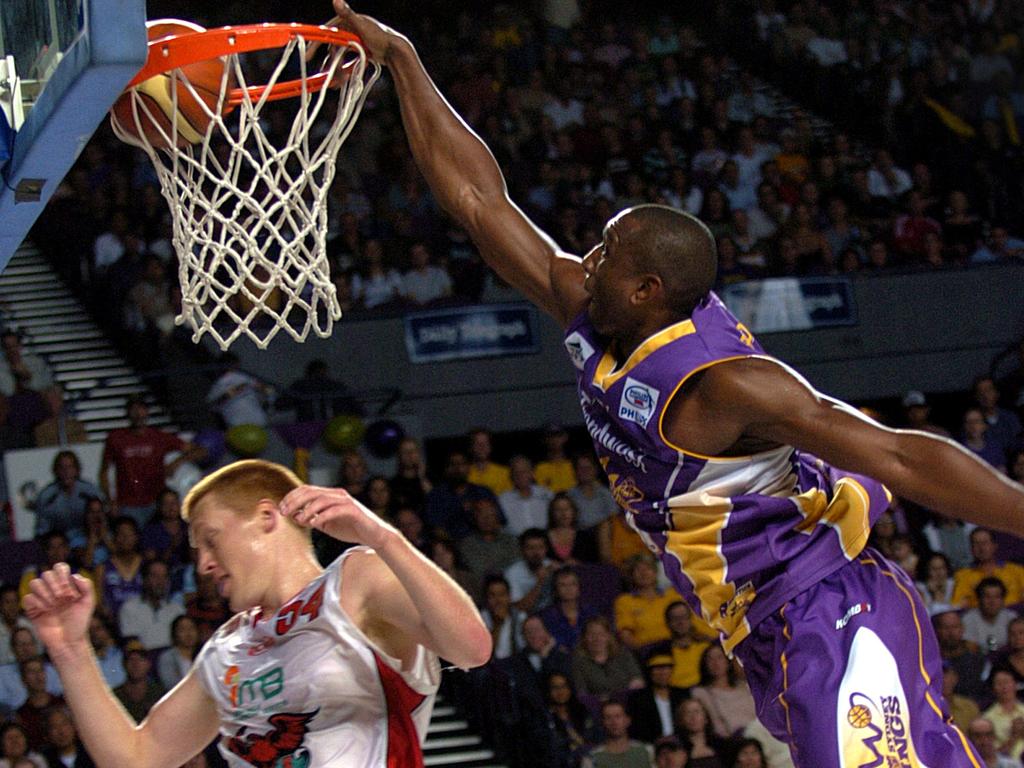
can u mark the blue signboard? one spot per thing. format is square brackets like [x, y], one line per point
[792, 304]
[462, 333]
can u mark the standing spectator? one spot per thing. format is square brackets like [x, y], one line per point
[566, 542]
[983, 736]
[149, 615]
[61, 428]
[61, 505]
[555, 471]
[148, 308]
[985, 552]
[34, 370]
[120, 578]
[316, 396]
[175, 662]
[600, 666]
[237, 397]
[986, 626]
[410, 486]
[723, 693]
[959, 653]
[482, 470]
[108, 654]
[65, 749]
[975, 438]
[502, 618]
[424, 282]
[529, 578]
[32, 714]
[617, 750]
[1006, 715]
[140, 691]
[448, 504]
[935, 583]
[566, 615]
[525, 505]
[640, 614]
[488, 549]
[14, 748]
[1004, 427]
[137, 455]
[10, 620]
[652, 707]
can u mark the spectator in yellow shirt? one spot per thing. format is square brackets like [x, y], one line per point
[640, 615]
[984, 551]
[686, 649]
[483, 471]
[555, 472]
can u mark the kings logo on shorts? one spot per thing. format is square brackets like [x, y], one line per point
[638, 402]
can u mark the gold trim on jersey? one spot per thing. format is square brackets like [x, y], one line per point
[848, 513]
[605, 374]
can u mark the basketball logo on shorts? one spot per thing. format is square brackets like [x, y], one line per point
[859, 716]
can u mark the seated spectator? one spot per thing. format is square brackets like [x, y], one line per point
[982, 734]
[540, 657]
[640, 614]
[424, 283]
[64, 748]
[55, 549]
[1000, 246]
[140, 691]
[316, 396]
[591, 496]
[670, 753]
[353, 474]
[724, 693]
[569, 727]
[446, 557]
[376, 284]
[1011, 658]
[651, 708]
[777, 754]
[525, 505]
[108, 654]
[960, 654]
[377, 496]
[60, 506]
[120, 578]
[986, 626]
[149, 616]
[885, 179]
[238, 397]
[984, 550]
[684, 646]
[206, 607]
[148, 307]
[962, 709]
[98, 544]
[961, 228]
[617, 750]
[694, 729]
[36, 373]
[11, 619]
[166, 536]
[175, 662]
[488, 549]
[448, 503]
[410, 486]
[935, 583]
[952, 538]
[61, 428]
[530, 576]
[482, 470]
[566, 616]
[1004, 712]
[1003, 426]
[600, 666]
[502, 618]
[975, 439]
[410, 524]
[566, 543]
[14, 748]
[24, 647]
[917, 412]
[904, 554]
[38, 701]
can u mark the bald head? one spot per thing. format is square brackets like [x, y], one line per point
[673, 245]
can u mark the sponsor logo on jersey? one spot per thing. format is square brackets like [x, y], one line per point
[578, 348]
[740, 602]
[255, 695]
[638, 402]
[853, 610]
[601, 435]
[280, 747]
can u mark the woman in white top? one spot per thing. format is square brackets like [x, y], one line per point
[723, 693]
[935, 583]
[375, 284]
[176, 661]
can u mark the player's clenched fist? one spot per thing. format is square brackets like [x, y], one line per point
[60, 604]
[336, 513]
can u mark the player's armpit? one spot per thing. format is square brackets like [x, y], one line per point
[179, 726]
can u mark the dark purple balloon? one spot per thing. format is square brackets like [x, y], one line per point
[382, 438]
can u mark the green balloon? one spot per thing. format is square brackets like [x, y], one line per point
[344, 433]
[247, 440]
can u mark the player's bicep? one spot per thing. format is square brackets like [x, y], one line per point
[375, 599]
[180, 725]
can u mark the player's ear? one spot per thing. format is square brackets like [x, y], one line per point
[269, 515]
[649, 287]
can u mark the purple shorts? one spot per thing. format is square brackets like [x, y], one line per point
[848, 674]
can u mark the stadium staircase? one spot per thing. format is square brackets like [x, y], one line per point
[451, 742]
[55, 325]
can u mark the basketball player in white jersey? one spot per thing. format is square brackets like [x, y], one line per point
[320, 667]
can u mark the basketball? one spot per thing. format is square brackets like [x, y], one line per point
[859, 716]
[157, 108]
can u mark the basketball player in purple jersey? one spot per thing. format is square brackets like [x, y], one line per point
[726, 461]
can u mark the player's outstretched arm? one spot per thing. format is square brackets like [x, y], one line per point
[764, 400]
[466, 179]
[177, 728]
[397, 588]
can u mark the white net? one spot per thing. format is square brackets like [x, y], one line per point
[248, 198]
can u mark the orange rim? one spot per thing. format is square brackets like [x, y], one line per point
[180, 50]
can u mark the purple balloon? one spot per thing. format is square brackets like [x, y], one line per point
[382, 438]
[213, 441]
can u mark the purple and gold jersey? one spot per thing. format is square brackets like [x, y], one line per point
[738, 536]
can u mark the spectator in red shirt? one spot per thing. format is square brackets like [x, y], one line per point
[910, 229]
[137, 455]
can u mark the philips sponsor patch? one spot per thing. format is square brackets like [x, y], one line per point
[638, 402]
[578, 348]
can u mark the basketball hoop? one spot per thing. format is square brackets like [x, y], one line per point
[250, 218]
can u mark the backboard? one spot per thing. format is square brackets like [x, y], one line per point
[62, 65]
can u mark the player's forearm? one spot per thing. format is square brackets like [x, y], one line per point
[457, 633]
[108, 732]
